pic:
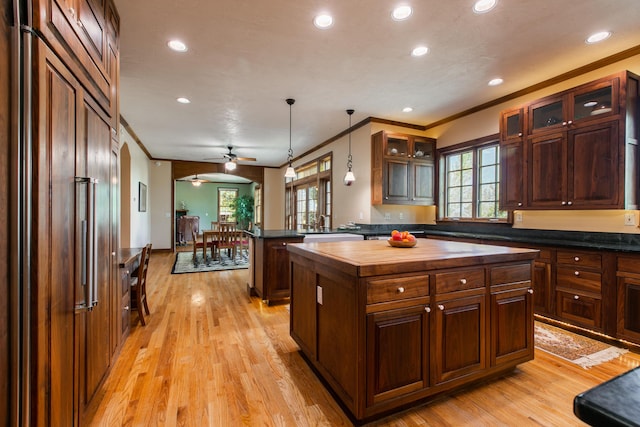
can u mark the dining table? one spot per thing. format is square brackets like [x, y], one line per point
[213, 237]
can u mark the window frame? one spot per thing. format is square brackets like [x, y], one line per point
[236, 190]
[474, 146]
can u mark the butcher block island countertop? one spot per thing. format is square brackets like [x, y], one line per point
[389, 327]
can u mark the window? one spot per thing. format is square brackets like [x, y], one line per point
[257, 205]
[471, 176]
[308, 196]
[226, 198]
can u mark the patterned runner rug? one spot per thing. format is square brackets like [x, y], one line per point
[184, 263]
[575, 348]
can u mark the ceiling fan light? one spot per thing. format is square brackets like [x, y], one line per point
[196, 183]
[230, 165]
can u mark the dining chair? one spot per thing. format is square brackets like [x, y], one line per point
[226, 239]
[139, 285]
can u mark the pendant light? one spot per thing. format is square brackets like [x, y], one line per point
[349, 177]
[290, 173]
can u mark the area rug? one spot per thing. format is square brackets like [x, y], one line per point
[184, 263]
[575, 348]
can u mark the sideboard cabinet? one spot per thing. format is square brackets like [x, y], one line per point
[577, 149]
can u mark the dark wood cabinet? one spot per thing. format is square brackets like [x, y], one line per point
[397, 352]
[460, 337]
[542, 283]
[578, 149]
[271, 271]
[628, 303]
[511, 310]
[403, 170]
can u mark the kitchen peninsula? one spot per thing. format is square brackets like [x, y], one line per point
[387, 327]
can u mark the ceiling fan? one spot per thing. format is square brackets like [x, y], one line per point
[232, 158]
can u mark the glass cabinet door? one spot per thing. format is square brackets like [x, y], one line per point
[547, 114]
[511, 124]
[596, 101]
[422, 150]
[397, 147]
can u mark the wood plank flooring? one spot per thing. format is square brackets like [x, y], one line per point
[212, 356]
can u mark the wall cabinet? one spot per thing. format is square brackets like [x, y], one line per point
[576, 149]
[403, 170]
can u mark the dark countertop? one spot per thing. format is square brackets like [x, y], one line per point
[620, 242]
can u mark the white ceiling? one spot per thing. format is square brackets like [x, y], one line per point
[246, 57]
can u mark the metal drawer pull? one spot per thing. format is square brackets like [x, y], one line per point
[441, 307]
[576, 259]
[530, 290]
[577, 273]
[427, 309]
[463, 281]
[576, 297]
[400, 290]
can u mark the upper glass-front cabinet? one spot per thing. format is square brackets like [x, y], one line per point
[587, 102]
[397, 147]
[512, 124]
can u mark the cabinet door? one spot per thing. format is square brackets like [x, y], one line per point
[629, 307]
[396, 179]
[511, 325]
[512, 125]
[512, 175]
[595, 101]
[422, 184]
[547, 115]
[458, 346]
[547, 171]
[594, 165]
[542, 287]
[397, 353]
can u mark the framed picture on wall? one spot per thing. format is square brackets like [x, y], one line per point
[142, 197]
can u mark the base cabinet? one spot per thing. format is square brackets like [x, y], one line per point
[397, 352]
[511, 330]
[628, 307]
[271, 267]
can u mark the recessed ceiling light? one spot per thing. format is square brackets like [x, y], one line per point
[598, 37]
[177, 45]
[495, 82]
[484, 6]
[407, 109]
[323, 21]
[401, 12]
[420, 50]
[183, 100]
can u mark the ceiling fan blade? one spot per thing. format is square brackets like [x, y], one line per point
[246, 159]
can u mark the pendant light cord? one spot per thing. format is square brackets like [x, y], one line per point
[290, 101]
[349, 157]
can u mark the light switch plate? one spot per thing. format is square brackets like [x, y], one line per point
[630, 219]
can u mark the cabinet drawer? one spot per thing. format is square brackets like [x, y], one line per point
[510, 274]
[580, 259]
[579, 279]
[397, 288]
[579, 309]
[459, 280]
[629, 264]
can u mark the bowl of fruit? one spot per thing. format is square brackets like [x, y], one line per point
[402, 239]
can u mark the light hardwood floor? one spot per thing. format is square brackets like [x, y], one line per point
[212, 356]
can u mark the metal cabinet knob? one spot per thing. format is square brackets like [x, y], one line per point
[441, 307]
[569, 202]
[519, 133]
[576, 297]
[126, 307]
[570, 121]
[530, 290]
[126, 272]
[284, 243]
[564, 123]
[564, 203]
[400, 290]
[427, 309]
[519, 203]
[463, 281]
[576, 259]
[113, 254]
[577, 273]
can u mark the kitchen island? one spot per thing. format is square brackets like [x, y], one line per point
[388, 327]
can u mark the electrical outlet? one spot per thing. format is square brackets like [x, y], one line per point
[518, 217]
[361, 215]
[401, 215]
[387, 215]
[630, 219]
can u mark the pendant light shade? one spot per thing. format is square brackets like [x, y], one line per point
[196, 182]
[349, 177]
[230, 165]
[290, 172]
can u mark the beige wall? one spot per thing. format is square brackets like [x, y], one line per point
[353, 203]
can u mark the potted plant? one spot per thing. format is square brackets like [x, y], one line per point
[243, 207]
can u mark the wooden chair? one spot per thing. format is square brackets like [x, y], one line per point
[139, 285]
[226, 239]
